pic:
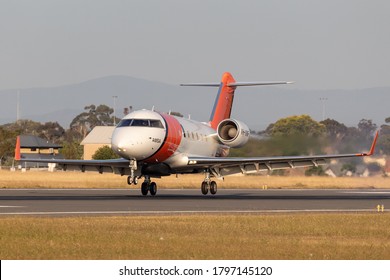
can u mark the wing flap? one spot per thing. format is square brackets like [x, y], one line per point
[227, 166]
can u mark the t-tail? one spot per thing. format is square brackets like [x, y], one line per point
[224, 101]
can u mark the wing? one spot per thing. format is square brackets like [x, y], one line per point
[218, 166]
[227, 166]
[118, 166]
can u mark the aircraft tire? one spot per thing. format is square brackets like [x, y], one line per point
[213, 187]
[144, 188]
[204, 187]
[153, 188]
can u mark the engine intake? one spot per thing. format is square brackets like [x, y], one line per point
[233, 133]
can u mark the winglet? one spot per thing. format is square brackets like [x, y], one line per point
[17, 148]
[373, 145]
[372, 150]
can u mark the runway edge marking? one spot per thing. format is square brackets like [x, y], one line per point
[188, 212]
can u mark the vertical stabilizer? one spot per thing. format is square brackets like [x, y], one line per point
[224, 101]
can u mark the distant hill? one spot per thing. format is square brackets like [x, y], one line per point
[256, 106]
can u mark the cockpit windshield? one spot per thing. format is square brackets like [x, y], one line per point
[140, 122]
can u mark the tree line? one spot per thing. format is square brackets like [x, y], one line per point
[69, 138]
[295, 135]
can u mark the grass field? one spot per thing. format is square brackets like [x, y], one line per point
[43, 179]
[300, 236]
[293, 236]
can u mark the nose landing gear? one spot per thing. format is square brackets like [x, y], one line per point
[146, 186]
[132, 180]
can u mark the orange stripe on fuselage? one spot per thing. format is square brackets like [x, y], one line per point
[224, 101]
[171, 142]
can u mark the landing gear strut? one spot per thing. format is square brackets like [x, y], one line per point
[148, 186]
[207, 185]
[132, 179]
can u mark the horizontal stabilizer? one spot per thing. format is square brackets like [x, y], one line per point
[201, 85]
[239, 84]
[246, 84]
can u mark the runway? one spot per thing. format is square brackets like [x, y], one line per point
[81, 202]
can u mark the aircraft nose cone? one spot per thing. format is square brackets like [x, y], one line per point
[133, 143]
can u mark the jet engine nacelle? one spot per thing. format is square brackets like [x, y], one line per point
[233, 133]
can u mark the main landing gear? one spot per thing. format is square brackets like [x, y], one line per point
[146, 186]
[207, 185]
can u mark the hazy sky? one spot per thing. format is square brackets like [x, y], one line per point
[324, 44]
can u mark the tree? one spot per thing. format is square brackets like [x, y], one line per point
[7, 143]
[72, 150]
[51, 131]
[334, 130]
[384, 139]
[367, 127]
[297, 135]
[104, 152]
[302, 125]
[83, 123]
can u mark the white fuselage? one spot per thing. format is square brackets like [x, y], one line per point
[152, 137]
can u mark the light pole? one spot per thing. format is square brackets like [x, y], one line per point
[323, 99]
[115, 97]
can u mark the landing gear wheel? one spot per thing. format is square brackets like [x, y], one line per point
[144, 188]
[153, 188]
[205, 187]
[131, 180]
[213, 187]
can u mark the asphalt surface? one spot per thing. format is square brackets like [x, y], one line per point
[80, 202]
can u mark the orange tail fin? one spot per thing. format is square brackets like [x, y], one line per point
[224, 101]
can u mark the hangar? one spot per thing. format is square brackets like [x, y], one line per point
[99, 136]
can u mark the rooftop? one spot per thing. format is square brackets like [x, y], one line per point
[99, 135]
[31, 141]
